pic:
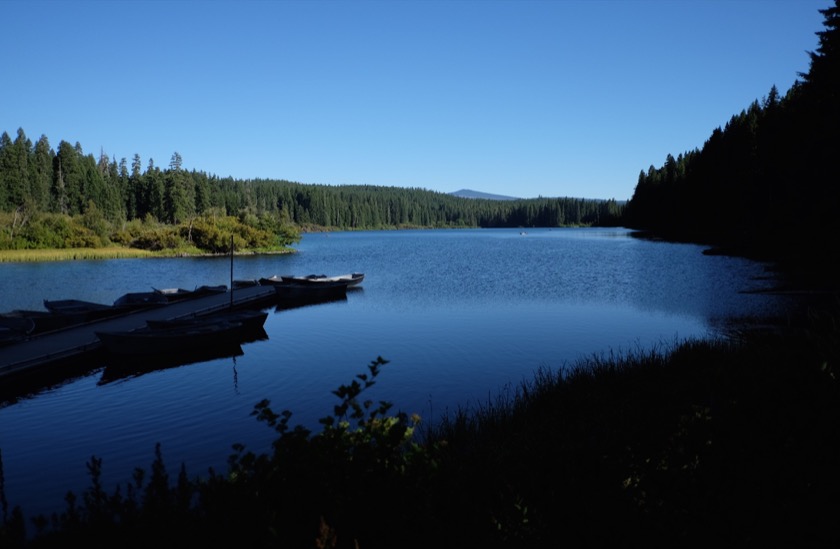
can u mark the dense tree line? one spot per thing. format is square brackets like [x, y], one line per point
[37, 179]
[38, 183]
[372, 207]
[766, 183]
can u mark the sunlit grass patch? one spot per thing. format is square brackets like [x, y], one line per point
[113, 252]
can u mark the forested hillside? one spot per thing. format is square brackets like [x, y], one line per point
[767, 183]
[42, 190]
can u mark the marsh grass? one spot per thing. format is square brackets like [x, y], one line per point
[703, 443]
[70, 254]
[116, 252]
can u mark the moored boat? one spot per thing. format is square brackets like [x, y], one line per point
[245, 283]
[43, 321]
[249, 319]
[15, 328]
[76, 311]
[352, 279]
[75, 306]
[307, 289]
[179, 294]
[179, 339]
[140, 300]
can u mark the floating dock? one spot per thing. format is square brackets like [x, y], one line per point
[42, 350]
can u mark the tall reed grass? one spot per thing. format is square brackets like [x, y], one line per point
[116, 252]
[70, 254]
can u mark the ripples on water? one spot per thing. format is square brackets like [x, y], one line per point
[460, 314]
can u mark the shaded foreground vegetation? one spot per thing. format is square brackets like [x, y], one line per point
[730, 442]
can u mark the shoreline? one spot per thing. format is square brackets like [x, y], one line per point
[82, 254]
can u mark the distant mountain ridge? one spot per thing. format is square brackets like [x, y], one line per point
[467, 193]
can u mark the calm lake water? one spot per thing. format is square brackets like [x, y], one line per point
[462, 316]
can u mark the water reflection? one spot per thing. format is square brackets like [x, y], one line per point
[62, 372]
[235, 377]
[288, 304]
[122, 368]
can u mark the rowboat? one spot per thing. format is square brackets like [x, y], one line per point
[76, 306]
[43, 321]
[76, 311]
[140, 300]
[151, 341]
[249, 319]
[60, 314]
[179, 294]
[305, 289]
[352, 279]
[13, 329]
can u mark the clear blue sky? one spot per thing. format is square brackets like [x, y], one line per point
[522, 98]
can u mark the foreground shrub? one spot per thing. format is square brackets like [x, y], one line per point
[355, 480]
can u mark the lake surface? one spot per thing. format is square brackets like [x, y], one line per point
[462, 316]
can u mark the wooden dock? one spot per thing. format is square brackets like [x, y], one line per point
[42, 350]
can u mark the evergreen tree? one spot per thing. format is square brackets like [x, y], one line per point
[765, 184]
[202, 191]
[153, 192]
[128, 208]
[14, 169]
[95, 188]
[179, 193]
[69, 189]
[42, 173]
[135, 200]
[5, 170]
[824, 71]
[23, 150]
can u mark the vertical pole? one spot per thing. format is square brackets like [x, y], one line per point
[231, 271]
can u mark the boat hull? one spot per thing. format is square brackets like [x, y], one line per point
[148, 341]
[351, 279]
[306, 290]
[250, 320]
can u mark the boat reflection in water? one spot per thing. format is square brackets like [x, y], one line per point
[64, 371]
[119, 368]
[287, 304]
[168, 344]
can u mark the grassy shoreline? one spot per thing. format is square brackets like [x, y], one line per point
[111, 252]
